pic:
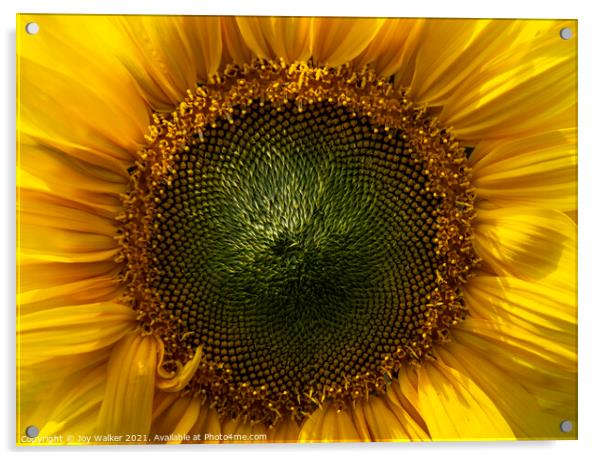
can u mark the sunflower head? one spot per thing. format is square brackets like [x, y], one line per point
[307, 229]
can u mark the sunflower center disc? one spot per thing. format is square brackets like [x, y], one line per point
[294, 251]
[301, 248]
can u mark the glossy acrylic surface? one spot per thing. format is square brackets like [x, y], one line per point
[265, 229]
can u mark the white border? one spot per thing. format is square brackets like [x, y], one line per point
[439, 8]
[590, 184]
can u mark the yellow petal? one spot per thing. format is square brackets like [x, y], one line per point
[528, 88]
[70, 224]
[275, 38]
[42, 209]
[540, 170]
[128, 401]
[253, 432]
[59, 229]
[393, 49]
[573, 215]
[290, 38]
[206, 423]
[71, 330]
[91, 290]
[168, 55]
[382, 420]
[162, 402]
[177, 421]
[83, 399]
[252, 30]
[536, 323]
[236, 49]
[45, 275]
[49, 170]
[445, 54]
[69, 407]
[336, 41]
[329, 424]
[287, 430]
[94, 139]
[42, 384]
[528, 418]
[168, 413]
[406, 412]
[158, 55]
[536, 374]
[440, 46]
[204, 34]
[454, 407]
[39, 243]
[529, 243]
[74, 94]
[176, 381]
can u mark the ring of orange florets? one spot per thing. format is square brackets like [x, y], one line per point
[277, 84]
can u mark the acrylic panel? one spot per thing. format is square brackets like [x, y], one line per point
[294, 229]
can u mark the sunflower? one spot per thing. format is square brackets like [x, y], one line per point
[295, 229]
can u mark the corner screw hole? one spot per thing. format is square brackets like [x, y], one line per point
[32, 431]
[32, 28]
[566, 33]
[566, 426]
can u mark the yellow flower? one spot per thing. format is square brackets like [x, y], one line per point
[312, 229]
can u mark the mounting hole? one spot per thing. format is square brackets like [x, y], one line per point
[32, 28]
[566, 426]
[566, 33]
[32, 431]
